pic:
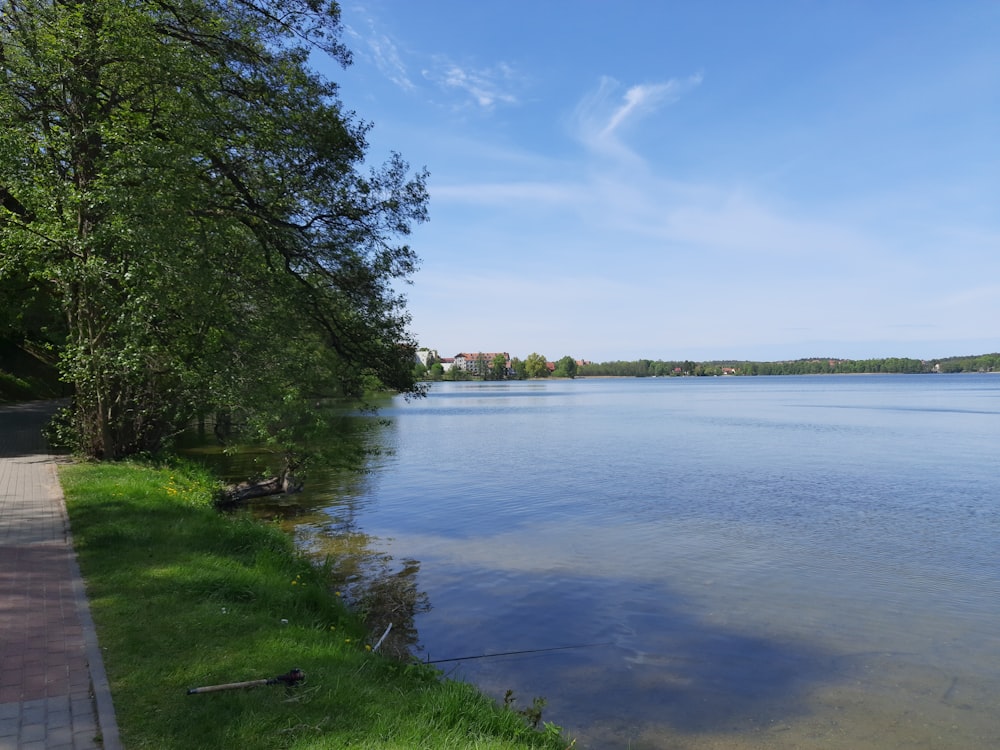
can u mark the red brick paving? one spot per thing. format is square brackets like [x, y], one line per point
[53, 690]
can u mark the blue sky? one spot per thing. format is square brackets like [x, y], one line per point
[705, 180]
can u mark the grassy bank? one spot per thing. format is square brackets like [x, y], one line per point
[183, 597]
[27, 372]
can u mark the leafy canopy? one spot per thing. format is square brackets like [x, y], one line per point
[195, 199]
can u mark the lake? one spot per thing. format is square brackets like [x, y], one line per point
[785, 562]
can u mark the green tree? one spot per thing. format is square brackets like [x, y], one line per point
[536, 366]
[192, 196]
[497, 369]
[520, 371]
[28, 311]
[458, 374]
[480, 367]
[565, 368]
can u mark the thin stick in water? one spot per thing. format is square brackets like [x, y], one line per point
[387, 629]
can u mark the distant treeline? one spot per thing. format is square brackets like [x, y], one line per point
[645, 368]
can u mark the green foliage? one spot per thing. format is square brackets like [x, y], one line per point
[980, 363]
[532, 714]
[520, 371]
[565, 368]
[816, 366]
[184, 597]
[497, 368]
[535, 366]
[13, 388]
[27, 372]
[189, 194]
[458, 373]
[29, 315]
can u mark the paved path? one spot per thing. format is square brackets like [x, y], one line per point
[53, 690]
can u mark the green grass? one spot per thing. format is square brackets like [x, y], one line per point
[13, 388]
[183, 596]
[27, 372]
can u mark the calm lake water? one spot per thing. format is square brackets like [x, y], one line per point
[788, 562]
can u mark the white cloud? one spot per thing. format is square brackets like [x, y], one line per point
[600, 116]
[383, 52]
[646, 212]
[486, 86]
[639, 99]
[389, 62]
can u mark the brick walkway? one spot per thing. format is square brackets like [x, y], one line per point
[53, 690]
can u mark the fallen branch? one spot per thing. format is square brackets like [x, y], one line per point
[291, 678]
[283, 484]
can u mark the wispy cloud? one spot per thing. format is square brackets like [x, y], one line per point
[655, 214]
[483, 87]
[486, 86]
[383, 52]
[601, 115]
[388, 60]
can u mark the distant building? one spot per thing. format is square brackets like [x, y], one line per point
[477, 363]
[424, 356]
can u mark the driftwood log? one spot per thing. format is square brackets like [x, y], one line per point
[282, 484]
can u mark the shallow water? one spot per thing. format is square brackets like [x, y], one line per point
[791, 562]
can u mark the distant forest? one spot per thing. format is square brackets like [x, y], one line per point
[645, 368]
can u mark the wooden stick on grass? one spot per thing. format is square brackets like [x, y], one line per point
[293, 677]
